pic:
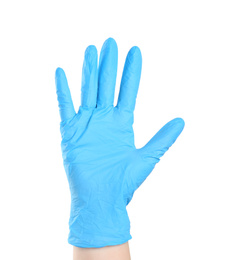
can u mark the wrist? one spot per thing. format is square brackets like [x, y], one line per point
[120, 252]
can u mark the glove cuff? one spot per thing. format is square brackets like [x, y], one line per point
[100, 219]
[92, 230]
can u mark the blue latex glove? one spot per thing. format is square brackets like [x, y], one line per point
[102, 164]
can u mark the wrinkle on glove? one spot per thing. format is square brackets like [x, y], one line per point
[102, 164]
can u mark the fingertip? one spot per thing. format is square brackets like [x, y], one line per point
[135, 53]
[134, 57]
[110, 41]
[90, 57]
[59, 72]
[179, 122]
[91, 51]
[135, 49]
[109, 47]
[58, 77]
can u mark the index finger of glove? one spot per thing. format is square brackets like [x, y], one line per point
[130, 80]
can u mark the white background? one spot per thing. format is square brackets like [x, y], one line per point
[181, 211]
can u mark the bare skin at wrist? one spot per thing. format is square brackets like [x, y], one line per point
[118, 252]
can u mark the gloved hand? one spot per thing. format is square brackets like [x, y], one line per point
[102, 164]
